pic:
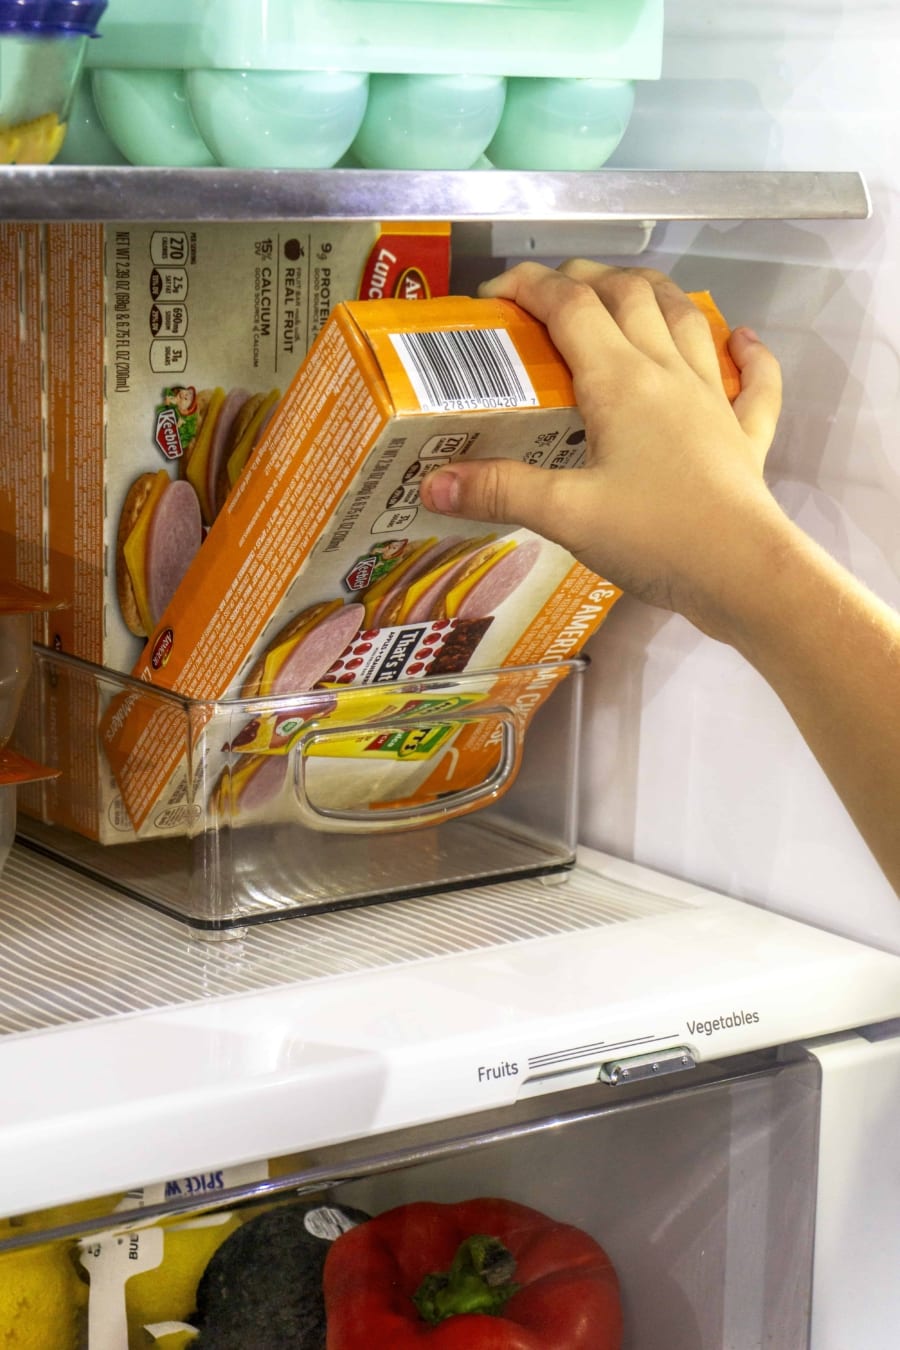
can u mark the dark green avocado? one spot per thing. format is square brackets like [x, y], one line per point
[262, 1289]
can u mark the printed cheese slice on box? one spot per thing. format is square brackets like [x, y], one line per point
[331, 501]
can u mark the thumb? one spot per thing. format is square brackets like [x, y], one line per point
[499, 490]
[758, 405]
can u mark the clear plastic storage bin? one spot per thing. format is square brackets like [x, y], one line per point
[371, 793]
[400, 84]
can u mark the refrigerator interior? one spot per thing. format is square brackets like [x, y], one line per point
[691, 764]
[456, 1046]
[744, 1204]
[726, 1208]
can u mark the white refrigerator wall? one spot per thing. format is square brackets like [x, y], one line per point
[690, 764]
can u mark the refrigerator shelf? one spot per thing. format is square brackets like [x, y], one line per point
[616, 195]
[344, 1026]
[74, 950]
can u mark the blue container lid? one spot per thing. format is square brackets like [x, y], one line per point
[35, 18]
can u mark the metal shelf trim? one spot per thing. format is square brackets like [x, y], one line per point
[57, 193]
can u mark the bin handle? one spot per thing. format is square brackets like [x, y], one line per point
[371, 820]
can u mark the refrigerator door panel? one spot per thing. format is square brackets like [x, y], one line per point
[856, 1300]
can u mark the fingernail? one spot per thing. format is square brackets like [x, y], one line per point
[443, 491]
[747, 333]
[488, 289]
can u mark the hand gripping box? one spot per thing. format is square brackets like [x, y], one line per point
[324, 572]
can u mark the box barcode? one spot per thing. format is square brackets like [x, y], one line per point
[465, 369]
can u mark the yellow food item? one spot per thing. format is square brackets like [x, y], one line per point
[36, 142]
[40, 1300]
[136, 550]
[40, 1220]
[247, 443]
[198, 459]
[168, 1293]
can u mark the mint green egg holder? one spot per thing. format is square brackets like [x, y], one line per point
[595, 39]
[383, 84]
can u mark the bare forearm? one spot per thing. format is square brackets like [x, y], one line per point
[831, 651]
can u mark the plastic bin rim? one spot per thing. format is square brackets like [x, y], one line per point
[275, 703]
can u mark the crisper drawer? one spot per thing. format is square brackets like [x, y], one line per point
[622, 1219]
[283, 806]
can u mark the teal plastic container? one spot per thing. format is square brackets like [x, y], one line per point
[402, 84]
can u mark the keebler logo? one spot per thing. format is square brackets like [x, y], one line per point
[412, 285]
[166, 436]
[162, 648]
[357, 579]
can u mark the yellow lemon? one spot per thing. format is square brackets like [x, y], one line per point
[40, 1220]
[40, 1299]
[168, 1293]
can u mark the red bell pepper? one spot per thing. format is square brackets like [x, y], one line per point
[480, 1275]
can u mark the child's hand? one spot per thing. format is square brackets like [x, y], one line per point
[673, 473]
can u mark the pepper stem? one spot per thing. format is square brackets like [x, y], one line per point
[478, 1281]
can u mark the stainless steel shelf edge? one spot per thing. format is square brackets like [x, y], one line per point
[144, 194]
